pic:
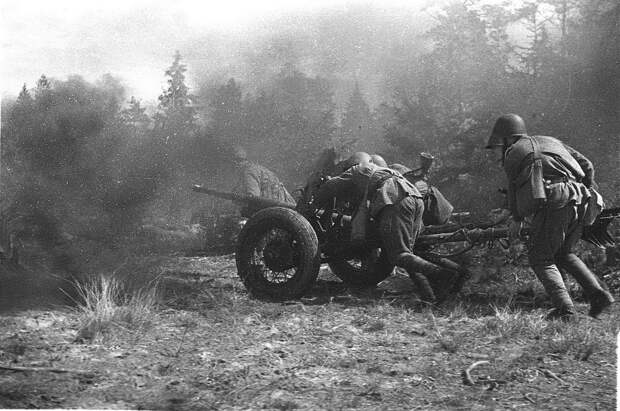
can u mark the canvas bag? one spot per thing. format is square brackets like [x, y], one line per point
[437, 209]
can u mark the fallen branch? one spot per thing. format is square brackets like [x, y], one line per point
[550, 374]
[467, 380]
[527, 397]
[45, 369]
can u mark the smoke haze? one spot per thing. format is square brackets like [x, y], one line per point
[287, 80]
[134, 40]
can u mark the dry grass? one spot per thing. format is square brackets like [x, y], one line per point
[214, 347]
[509, 323]
[107, 301]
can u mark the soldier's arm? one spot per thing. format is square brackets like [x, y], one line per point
[585, 163]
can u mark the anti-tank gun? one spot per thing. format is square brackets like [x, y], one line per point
[281, 247]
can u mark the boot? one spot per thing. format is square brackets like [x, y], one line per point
[423, 287]
[598, 297]
[599, 303]
[454, 275]
[551, 279]
[424, 273]
[582, 274]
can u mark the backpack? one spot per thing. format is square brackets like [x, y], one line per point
[437, 209]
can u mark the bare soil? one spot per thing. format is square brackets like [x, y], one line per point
[211, 346]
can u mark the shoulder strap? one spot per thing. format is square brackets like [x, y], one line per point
[368, 184]
[536, 174]
[535, 148]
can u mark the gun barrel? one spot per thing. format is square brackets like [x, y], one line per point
[254, 202]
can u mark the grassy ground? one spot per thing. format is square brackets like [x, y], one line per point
[195, 340]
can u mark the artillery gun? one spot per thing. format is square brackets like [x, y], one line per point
[281, 247]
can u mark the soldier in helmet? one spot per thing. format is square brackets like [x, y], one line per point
[549, 182]
[256, 180]
[397, 207]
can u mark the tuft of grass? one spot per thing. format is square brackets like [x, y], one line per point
[507, 323]
[580, 340]
[107, 301]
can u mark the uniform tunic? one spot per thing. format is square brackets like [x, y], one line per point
[395, 204]
[256, 180]
[556, 225]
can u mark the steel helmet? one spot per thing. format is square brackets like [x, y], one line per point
[378, 160]
[354, 159]
[506, 126]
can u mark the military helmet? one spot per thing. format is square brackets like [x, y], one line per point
[506, 126]
[239, 153]
[378, 160]
[354, 159]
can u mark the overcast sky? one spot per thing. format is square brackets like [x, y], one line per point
[133, 40]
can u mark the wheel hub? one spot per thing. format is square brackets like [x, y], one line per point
[278, 255]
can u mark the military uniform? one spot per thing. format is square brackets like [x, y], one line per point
[418, 179]
[256, 180]
[397, 207]
[557, 223]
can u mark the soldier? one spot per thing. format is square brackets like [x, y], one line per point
[396, 206]
[549, 182]
[256, 180]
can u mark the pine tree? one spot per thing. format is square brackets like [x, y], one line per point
[176, 118]
[135, 115]
[227, 116]
[24, 97]
[43, 84]
[356, 129]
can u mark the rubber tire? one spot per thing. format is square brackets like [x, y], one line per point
[364, 276]
[308, 254]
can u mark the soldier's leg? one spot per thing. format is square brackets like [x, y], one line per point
[410, 264]
[598, 297]
[547, 236]
[551, 279]
[399, 226]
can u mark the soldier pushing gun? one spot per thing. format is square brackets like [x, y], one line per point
[551, 184]
[397, 207]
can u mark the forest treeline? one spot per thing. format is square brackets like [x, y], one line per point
[80, 149]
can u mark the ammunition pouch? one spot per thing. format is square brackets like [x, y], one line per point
[530, 184]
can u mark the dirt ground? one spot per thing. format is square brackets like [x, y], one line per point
[211, 346]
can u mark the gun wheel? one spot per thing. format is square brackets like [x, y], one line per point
[277, 254]
[366, 269]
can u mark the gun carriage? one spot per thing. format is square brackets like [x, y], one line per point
[280, 248]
